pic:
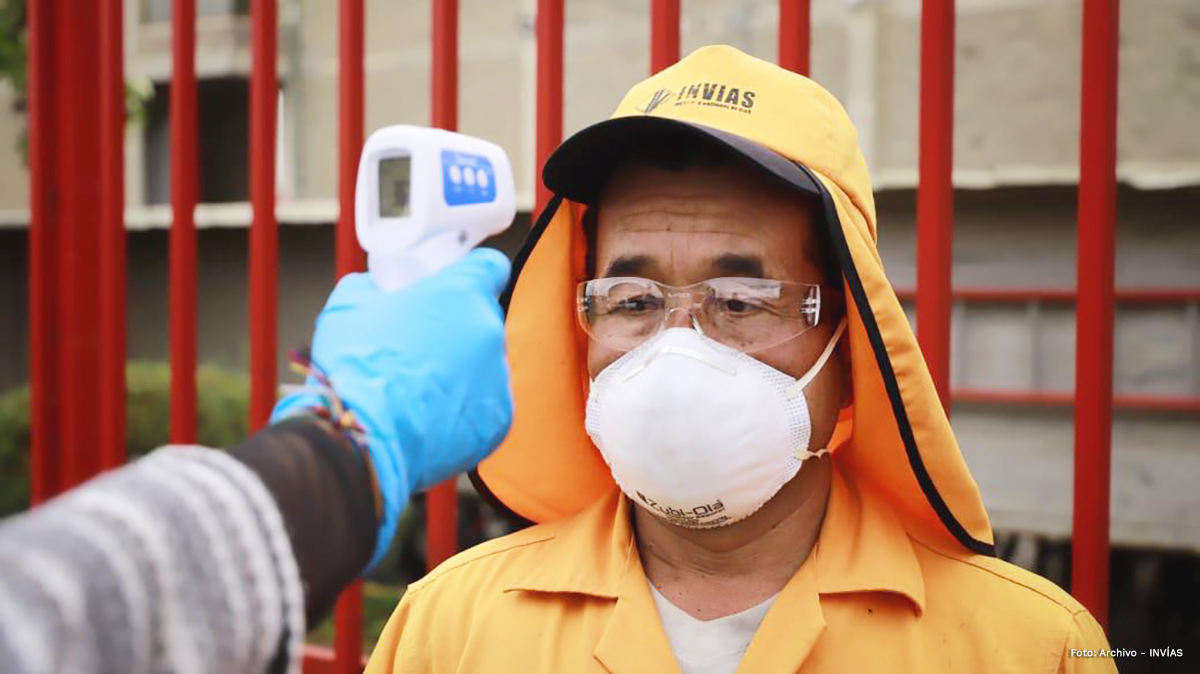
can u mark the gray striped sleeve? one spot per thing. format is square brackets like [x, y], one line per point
[179, 562]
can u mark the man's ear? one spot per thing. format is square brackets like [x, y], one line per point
[841, 355]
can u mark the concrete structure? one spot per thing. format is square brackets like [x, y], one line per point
[1016, 149]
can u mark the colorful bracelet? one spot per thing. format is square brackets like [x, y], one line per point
[334, 411]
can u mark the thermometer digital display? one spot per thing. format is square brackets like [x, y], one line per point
[394, 185]
[424, 197]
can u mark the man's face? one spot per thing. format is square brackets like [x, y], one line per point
[683, 227]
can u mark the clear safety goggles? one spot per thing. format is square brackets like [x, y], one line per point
[748, 314]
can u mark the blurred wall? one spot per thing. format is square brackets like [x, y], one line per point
[1017, 80]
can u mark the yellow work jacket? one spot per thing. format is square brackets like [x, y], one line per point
[571, 596]
[904, 576]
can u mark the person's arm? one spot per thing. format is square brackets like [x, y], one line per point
[186, 561]
[179, 562]
[198, 560]
[323, 492]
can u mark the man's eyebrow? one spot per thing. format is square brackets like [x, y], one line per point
[734, 264]
[629, 265]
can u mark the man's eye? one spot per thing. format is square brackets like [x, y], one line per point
[637, 305]
[739, 306]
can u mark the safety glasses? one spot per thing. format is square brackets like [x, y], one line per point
[748, 314]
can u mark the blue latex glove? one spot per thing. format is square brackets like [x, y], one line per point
[423, 370]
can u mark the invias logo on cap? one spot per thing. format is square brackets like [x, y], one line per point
[704, 94]
[656, 99]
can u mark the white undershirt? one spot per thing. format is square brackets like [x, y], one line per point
[708, 646]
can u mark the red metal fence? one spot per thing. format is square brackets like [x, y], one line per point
[77, 236]
[935, 192]
[1180, 298]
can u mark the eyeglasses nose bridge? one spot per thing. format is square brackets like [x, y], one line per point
[680, 302]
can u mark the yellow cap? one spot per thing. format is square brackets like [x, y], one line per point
[777, 119]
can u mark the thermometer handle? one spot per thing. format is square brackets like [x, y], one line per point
[399, 270]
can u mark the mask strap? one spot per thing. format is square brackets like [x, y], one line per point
[803, 382]
[804, 454]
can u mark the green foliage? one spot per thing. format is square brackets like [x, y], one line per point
[13, 43]
[14, 450]
[14, 58]
[139, 91]
[221, 420]
[379, 600]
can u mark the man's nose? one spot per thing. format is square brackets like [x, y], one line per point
[679, 317]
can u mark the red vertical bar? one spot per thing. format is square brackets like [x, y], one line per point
[77, 204]
[184, 183]
[64, 239]
[441, 504]
[444, 77]
[350, 130]
[348, 615]
[549, 89]
[795, 35]
[264, 239]
[664, 34]
[347, 631]
[935, 196]
[43, 293]
[112, 236]
[1094, 308]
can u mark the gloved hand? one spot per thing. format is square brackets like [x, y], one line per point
[423, 370]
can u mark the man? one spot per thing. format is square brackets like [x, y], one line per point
[724, 426]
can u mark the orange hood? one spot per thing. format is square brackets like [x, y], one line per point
[899, 443]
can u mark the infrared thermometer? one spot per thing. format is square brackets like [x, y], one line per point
[425, 197]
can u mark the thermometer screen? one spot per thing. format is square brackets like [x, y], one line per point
[394, 184]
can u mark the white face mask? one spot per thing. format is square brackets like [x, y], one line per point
[698, 433]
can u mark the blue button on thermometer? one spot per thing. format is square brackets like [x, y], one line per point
[425, 197]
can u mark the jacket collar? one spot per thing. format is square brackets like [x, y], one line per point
[589, 553]
[863, 547]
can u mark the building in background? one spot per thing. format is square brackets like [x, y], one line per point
[1016, 154]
